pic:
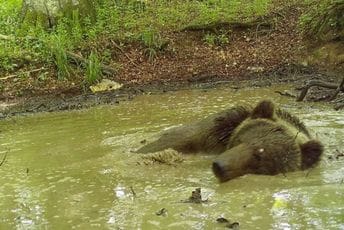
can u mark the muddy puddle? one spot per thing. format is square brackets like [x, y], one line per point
[76, 170]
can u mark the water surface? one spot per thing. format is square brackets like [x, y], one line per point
[77, 170]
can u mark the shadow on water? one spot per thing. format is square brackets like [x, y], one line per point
[76, 169]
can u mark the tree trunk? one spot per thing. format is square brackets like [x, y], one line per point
[47, 12]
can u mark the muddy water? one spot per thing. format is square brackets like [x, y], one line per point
[76, 170]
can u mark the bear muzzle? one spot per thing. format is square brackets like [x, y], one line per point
[223, 172]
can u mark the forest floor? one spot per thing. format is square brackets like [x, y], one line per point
[270, 50]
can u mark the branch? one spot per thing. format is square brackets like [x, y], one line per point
[316, 83]
[15, 75]
[340, 88]
[287, 94]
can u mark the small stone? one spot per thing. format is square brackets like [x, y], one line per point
[222, 220]
[234, 225]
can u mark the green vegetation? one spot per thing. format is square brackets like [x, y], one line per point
[59, 56]
[9, 50]
[146, 22]
[93, 71]
[216, 39]
[324, 20]
[152, 42]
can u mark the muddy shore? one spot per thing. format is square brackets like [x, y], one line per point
[296, 76]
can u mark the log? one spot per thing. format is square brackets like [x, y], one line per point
[323, 84]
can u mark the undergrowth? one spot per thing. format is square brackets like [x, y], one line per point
[143, 21]
[93, 70]
[324, 21]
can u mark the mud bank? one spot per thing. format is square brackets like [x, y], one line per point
[296, 76]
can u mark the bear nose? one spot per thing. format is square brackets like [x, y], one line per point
[219, 169]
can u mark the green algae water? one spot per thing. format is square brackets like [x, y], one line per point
[77, 170]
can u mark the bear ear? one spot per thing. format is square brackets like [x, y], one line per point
[264, 109]
[311, 153]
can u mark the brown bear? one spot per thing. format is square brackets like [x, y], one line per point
[261, 140]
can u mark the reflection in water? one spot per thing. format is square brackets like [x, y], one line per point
[280, 210]
[77, 170]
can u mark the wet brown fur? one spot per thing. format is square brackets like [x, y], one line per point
[286, 142]
[210, 135]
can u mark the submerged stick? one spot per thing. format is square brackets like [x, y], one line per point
[133, 191]
[3, 159]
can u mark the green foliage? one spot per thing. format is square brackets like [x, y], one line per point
[60, 57]
[145, 21]
[9, 20]
[324, 20]
[5, 62]
[210, 39]
[216, 40]
[8, 24]
[93, 69]
[58, 43]
[152, 42]
[76, 29]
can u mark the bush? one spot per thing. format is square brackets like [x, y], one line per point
[324, 21]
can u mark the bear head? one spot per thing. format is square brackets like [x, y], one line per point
[269, 144]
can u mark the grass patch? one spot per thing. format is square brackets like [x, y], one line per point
[93, 70]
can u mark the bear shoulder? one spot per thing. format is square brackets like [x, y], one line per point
[224, 125]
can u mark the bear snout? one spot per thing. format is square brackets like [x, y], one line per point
[220, 170]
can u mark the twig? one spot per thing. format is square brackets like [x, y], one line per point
[258, 28]
[4, 158]
[26, 72]
[122, 51]
[285, 94]
[296, 135]
[132, 191]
